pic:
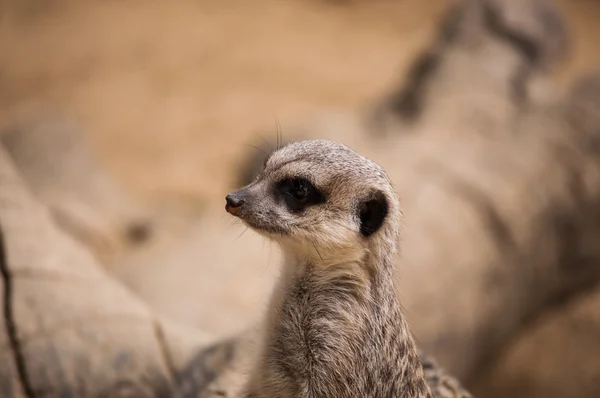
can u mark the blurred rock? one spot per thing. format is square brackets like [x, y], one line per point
[86, 200]
[491, 60]
[556, 356]
[218, 262]
[556, 353]
[71, 329]
[154, 250]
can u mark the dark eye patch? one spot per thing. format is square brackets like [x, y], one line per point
[298, 194]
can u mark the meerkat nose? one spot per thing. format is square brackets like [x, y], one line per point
[233, 203]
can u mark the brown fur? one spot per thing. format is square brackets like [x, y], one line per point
[335, 327]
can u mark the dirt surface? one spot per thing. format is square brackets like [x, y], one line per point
[171, 93]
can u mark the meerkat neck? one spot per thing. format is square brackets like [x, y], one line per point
[338, 331]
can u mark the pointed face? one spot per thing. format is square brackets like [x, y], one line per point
[317, 195]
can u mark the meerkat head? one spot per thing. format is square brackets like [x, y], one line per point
[318, 199]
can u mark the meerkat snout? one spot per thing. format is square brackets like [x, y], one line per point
[234, 201]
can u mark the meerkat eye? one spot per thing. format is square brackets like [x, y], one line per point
[300, 190]
[299, 193]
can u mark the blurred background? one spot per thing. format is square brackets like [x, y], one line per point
[130, 121]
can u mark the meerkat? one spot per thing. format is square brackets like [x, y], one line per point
[335, 326]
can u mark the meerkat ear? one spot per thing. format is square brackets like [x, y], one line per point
[372, 213]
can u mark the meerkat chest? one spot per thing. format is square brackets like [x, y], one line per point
[332, 339]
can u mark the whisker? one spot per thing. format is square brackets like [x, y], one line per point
[265, 141]
[343, 225]
[270, 253]
[257, 148]
[240, 235]
[317, 250]
[279, 133]
[268, 264]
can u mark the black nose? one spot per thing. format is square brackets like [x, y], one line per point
[234, 200]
